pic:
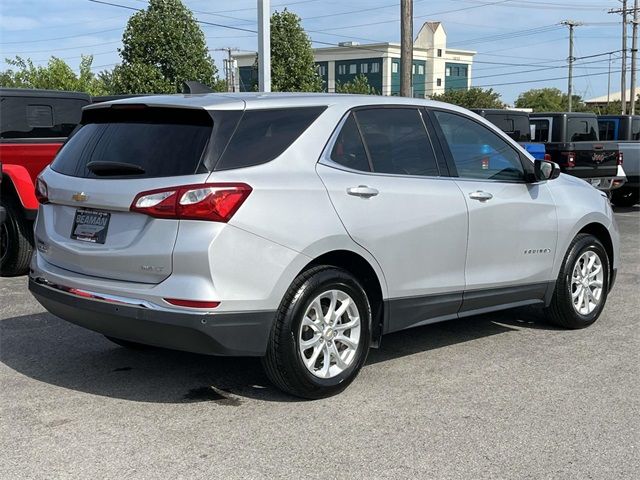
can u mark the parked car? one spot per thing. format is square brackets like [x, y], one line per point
[300, 228]
[625, 129]
[571, 139]
[515, 124]
[33, 126]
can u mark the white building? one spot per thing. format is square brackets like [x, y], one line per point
[436, 68]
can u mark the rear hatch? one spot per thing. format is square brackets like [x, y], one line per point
[117, 153]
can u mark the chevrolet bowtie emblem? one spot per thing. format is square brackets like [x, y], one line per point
[80, 197]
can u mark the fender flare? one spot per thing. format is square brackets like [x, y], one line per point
[23, 185]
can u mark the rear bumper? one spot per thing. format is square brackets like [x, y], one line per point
[228, 334]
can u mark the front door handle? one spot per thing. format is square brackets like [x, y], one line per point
[362, 191]
[480, 195]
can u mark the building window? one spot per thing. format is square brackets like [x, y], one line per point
[364, 68]
[375, 67]
[413, 69]
[420, 69]
[322, 70]
[353, 69]
[394, 67]
[439, 52]
[439, 82]
[447, 72]
[342, 69]
[463, 71]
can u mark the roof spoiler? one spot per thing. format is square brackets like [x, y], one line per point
[191, 87]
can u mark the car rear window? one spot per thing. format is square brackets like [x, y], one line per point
[162, 142]
[35, 117]
[582, 130]
[263, 135]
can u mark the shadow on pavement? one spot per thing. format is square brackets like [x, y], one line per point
[51, 350]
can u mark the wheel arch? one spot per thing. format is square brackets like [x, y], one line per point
[601, 232]
[372, 282]
[17, 183]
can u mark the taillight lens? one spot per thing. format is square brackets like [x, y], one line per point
[191, 303]
[216, 202]
[620, 158]
[547, 157]
[568, 159]
[42, 191]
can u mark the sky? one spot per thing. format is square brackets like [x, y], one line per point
[520, 44]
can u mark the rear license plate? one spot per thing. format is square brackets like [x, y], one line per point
[90, 225]
[596, 182]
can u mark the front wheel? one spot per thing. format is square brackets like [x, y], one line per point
[582, 285]
[320, 338]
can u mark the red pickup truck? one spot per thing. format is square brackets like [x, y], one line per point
[33, 126]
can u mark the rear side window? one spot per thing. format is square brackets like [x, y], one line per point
[477, 151]
[397, 141]
[582, 130]
[635, 129]
[263, 135]
[516, 126]
[606, 129]
[33, 117]
[162, 143]
[541, 130]
[348, 150]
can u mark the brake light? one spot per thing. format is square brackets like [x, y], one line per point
[569, 159]
[547, 157]
[216, 202]
[191, 303]
[42, 191]
[620, 158]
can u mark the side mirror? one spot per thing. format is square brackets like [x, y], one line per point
[546, 170]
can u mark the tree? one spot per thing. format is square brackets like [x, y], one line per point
[359, 84]
[163, 46]
[475, 97]
[549, 100]
[292, 65]
[56, 75]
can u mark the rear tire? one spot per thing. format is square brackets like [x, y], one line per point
[320, 338]
[582, 285]
[625, 197]
[16, 242]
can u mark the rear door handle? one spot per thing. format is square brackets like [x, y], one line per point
[480, 195]
[362, 191]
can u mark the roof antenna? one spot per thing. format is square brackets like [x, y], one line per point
[192, 87]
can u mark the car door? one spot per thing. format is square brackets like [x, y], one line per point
[512, 222]
[383, 178]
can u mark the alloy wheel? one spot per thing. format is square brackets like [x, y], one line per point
[587, 282]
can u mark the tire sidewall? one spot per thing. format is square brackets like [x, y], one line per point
[330, 279]
[11, 226]
[585, 244]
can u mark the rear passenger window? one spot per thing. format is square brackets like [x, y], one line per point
[397, 141]
[348, 150]
[635, 129]
[263, 135]
[541, 130]
[477, 151]
[606, 129]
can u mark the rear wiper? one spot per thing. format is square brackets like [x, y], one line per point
[115, 168]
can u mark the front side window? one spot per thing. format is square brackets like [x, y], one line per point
[397, 141]
[477, 151]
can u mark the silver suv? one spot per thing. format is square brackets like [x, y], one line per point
[302, 227]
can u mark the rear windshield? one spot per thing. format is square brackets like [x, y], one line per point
[169, 145]
[582, 130]
[35, 117]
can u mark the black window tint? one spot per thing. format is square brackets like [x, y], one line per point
[32, 117]
[477, 151]
[263, 135]
[541, 130]
[635, 129]
[582, 130]
[606, 129]
[397, 141]
[161, 149]
[348, 149]
[516, 126]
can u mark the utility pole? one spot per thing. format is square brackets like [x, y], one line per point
[406, 47]
[609, 82]
[229, 68]
[623, 75]
[634, 57]
[571, 24]
[264, 45]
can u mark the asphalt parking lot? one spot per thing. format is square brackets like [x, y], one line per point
[496, 396]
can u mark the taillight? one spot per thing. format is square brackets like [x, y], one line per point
[620, 158]
[547, 157]
[568, 159]
[42, 191]
[216, 202]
